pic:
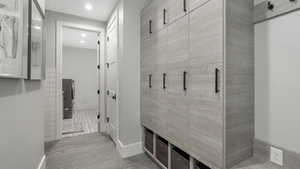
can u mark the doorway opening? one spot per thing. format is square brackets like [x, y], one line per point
[78, 80]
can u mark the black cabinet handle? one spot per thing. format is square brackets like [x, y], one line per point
[150, 26]
[114, 97]
[184, 80]
[150, 81]
[217, 71]
[164, 15]
[184, 6]
[164, 80]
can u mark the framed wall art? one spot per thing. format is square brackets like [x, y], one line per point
[13, 38]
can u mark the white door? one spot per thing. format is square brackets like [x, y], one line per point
[112, 80]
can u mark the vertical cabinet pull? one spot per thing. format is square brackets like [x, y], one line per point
[184, 80]
[150, 81]
[150, 26]
[164, 15]
[164, 80]
[217, 72]
[184, 6]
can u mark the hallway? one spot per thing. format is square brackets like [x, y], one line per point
[91, 151]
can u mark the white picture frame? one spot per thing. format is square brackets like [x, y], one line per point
[13, 38]
[36, 60]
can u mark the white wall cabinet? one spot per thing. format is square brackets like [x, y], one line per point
[198, 78]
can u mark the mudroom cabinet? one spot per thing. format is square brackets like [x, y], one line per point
[197, 79]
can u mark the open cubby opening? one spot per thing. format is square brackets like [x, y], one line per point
[149, 140]
[199, 165]
[162, 154]
[179, 159]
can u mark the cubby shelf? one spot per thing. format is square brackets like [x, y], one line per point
[174, 153]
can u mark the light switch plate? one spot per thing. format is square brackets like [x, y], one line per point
[276, 156]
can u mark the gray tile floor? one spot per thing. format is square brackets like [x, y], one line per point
[95, 151]
[92, 151]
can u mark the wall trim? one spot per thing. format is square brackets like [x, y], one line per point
[291, 160]
[129, 150]
[42, 164]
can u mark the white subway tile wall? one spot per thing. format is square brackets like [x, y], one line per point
[50, 105]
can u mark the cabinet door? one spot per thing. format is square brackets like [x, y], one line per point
[177, 102]
[177, 9]
[205, 90]
[145, 22]
[193, 4]
[159, 41]
[159, 15]
[148, 53]
[148, 104]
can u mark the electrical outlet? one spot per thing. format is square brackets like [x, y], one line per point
[276, 156]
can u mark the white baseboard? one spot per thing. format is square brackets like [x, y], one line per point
[42, 164]
[129, 150]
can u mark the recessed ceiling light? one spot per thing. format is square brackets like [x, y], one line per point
[88, 6]
[83, 35]
[82, 41]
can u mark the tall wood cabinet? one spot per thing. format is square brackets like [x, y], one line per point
[197, 77]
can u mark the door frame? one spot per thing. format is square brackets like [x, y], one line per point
[100, 72]
[114, 19]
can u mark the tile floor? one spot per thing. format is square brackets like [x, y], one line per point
[95, 151]
[83, 122]
[92, 151]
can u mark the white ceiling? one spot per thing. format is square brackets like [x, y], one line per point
[72, 38]
[101, 8]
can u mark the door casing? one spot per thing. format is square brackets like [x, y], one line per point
[100, 75]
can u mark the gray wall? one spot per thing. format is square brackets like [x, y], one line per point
[21, 124]
[80, 64]
[277, 81]
[50, 34]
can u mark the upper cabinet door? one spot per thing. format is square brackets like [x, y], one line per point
[177, 9]
[146, 22]
[159, 16]
[193, 4]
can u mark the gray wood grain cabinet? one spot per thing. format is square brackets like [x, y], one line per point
[176, 9]
[198, 79]
[193, 4]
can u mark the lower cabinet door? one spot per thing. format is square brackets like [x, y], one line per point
[179, 159]
[147, 104]
[206, 84]
[178, 74]
[162, 151]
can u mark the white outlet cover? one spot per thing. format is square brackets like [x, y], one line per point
[276, 156]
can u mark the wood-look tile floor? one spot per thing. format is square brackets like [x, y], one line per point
[83, 122]
[95, 151]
